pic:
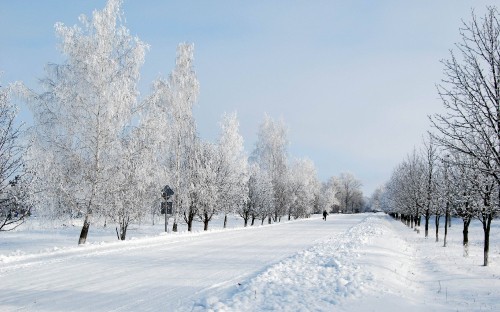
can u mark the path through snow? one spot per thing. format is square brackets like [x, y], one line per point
[163, 273]
[364, 262]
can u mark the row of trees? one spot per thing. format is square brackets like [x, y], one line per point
[99, 151]
[458, 170]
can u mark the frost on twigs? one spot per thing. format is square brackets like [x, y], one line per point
[15, 186]
[86, 153]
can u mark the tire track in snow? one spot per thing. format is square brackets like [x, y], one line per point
[10, 263]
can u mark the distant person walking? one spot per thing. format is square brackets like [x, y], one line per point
[324, 214]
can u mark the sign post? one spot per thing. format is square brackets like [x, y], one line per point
[166, 204]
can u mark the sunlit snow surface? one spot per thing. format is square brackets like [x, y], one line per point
[365, 262]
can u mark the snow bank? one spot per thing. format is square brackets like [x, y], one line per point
[318, 278]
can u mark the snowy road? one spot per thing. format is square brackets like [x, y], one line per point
[166, 273]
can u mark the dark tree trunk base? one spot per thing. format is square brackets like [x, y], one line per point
[427, 217]
[85, 231]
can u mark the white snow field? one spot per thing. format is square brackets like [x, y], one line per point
[364, 262]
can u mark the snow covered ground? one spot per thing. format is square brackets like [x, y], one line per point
[365, 262]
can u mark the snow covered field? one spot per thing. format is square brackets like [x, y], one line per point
[365, 262]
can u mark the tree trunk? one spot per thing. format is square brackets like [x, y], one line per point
[446, 217]
[189, 218]
[205, 225]
[253, 220]
[245, 221]
[85, 230]
[124, 227]
[225, 220]
[205, 221]
[486, 229]
[466, 235]
[174, 227]
[427, 217]
[437, 227]
[123, 232]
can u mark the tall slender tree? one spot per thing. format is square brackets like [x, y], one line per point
[232, 167]
[88, 102]
[172, 102]
[271, 152]
[429, 165]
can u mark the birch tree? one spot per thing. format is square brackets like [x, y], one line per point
[270, 154]
[232, 167]
[260, 196]
[135, 189]
[172, 101]
[304, 186]
[205, 187]
[89, 100]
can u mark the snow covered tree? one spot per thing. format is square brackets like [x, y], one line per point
[470, 94]
[15, 202]
[349, 193]
[406, 190]
[88, 102]
[172, 102]
[303, 186]
[204, 186]
[376, 200]
[429, 166]
[463, 192]
[270, 154]
[395, 200]
[442, 196]
[135, 189]
[446, 195]
[415, 184]
[328, 198]
[260, 203]
[232, 167]
[488, 201]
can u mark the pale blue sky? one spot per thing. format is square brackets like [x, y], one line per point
[353, 80]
